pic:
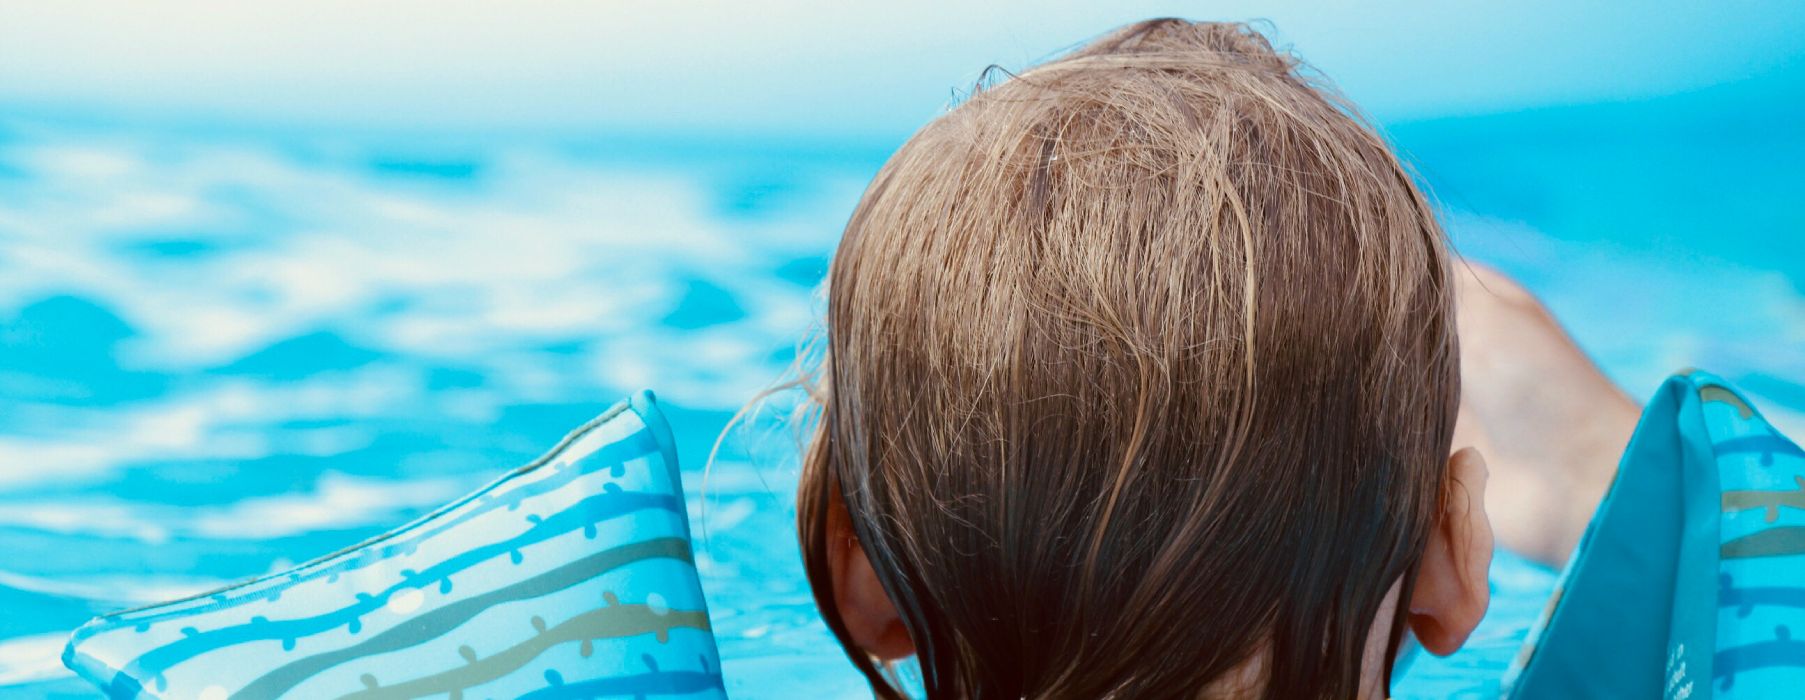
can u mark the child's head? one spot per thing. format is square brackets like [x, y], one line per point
[1140, 382]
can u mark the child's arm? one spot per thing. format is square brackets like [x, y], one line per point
[1550, 425]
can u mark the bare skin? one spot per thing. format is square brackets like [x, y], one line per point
[1550, 424]
[1550, 428]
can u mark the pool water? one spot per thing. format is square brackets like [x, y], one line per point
[224, 354]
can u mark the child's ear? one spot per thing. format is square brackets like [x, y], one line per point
[867, 612]
[1452, 588]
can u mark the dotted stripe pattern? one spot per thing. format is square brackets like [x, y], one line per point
[567, 577]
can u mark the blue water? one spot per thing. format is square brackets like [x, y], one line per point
[225, 353]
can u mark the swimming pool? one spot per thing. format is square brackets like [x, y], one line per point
[228, 353]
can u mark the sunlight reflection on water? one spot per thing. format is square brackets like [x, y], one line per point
[226, 356]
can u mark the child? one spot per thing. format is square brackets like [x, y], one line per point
[1142, 381]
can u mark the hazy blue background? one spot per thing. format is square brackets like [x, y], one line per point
[275, 277]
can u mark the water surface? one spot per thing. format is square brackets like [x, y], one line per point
[224, 354]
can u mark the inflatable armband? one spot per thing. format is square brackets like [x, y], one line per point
[1690, 582]
[571, 577]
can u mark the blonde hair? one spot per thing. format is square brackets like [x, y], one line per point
[1140, 366]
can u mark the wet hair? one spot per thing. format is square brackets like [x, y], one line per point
[1140, 375]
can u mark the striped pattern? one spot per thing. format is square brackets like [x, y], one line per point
[570, 577]
[1726, 493]
[1761, 551]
